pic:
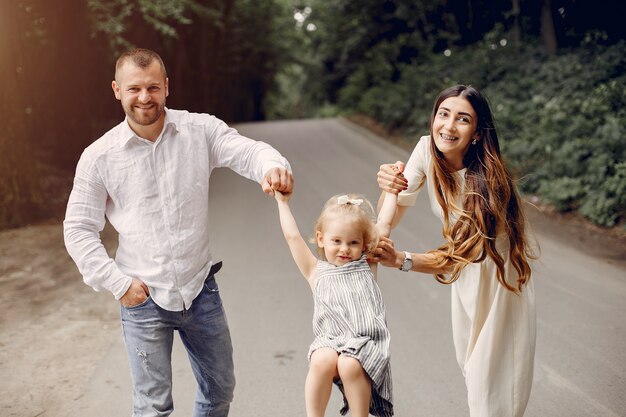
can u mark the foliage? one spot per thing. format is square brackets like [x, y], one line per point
[112, 18]
[561, 117]
[565, 130]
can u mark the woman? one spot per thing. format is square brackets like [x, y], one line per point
[486, 254]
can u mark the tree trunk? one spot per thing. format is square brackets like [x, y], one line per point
[220, 37]
[516, 30]
[19, 184]
[547, 27]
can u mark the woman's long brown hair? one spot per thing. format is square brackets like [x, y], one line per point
[491, 205]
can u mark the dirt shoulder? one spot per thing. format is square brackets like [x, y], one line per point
[53, 328]
[572, 230]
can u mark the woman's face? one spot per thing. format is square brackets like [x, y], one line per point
[454, 129]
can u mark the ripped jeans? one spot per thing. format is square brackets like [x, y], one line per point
[148, 334]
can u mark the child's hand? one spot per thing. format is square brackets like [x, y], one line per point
[282, 196]
[398, 168]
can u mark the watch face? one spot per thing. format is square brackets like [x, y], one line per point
[407, 264]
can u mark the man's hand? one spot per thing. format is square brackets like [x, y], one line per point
[136, 294]
[277, 179]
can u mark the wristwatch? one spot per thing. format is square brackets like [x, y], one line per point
[407, 264]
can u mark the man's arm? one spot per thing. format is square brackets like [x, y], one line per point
[84, 220]
[249, 158]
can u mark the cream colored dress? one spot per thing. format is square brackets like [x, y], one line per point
[493, 328]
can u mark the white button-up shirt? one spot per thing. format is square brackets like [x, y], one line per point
[156, 195]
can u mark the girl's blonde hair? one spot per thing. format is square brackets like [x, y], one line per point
[490, 202]
[351, 208]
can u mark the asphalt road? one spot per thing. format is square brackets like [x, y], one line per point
[580, 367]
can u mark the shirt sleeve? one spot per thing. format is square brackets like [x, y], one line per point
[247, 157]
[415, 172]
[84, 220]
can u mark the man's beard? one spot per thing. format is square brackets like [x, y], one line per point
[134, 114]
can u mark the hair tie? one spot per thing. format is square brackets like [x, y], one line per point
[344, 199]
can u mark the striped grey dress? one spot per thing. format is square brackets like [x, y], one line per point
[349, 317]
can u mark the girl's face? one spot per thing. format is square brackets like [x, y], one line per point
[454, 129]
[342, 242]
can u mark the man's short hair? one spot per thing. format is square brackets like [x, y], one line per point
[140, 57]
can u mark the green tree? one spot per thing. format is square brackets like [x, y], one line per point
[20, 196]
[57, 63]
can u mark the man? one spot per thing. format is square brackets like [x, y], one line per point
[149, 176]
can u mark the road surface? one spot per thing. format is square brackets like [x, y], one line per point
[581, 334]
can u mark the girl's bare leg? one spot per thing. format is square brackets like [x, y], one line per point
[357, 385]
[319, 381]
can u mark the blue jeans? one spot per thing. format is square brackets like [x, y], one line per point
[148, 334]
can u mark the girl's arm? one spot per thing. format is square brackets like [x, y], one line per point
[391, 180]
[387, 213]
[387, 206]
[302, 255]
[398, 212]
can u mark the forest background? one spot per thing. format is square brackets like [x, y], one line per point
[554, 70]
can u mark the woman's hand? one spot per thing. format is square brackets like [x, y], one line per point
[384, 253]
[391, 178]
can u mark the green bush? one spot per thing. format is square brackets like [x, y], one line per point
[561, 119]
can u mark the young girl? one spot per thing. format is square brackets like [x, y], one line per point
[351, 346]
[486, 252]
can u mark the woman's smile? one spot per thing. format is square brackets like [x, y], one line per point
[448, 137]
